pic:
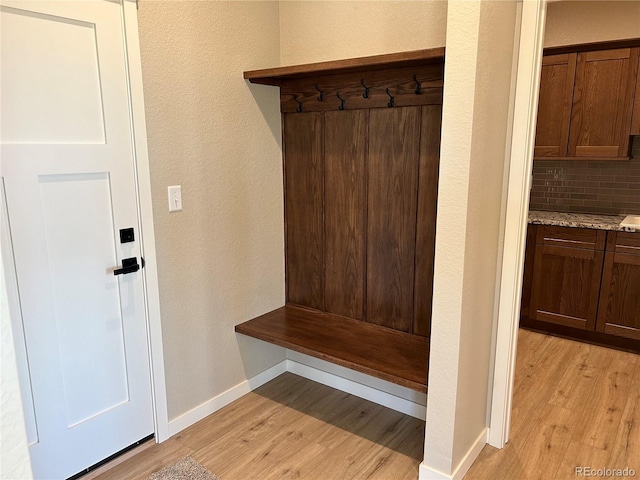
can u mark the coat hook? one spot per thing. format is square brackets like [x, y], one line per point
[391, 99]
[366, 89]
[419, 85]
[295, 99]
[321, 96]
[341, 106]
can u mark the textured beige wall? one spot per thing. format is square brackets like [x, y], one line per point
[220, 260]
[315, 31]
[475, 131]
[591, 21]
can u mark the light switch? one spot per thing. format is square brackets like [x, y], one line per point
[175, 198]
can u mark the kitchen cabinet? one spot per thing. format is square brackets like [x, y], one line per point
[586, 104]
[583, 283]
[635, 120]
[554, 105]
[566, 276]
[619, 306]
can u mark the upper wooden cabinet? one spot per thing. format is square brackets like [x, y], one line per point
[635, 121]
[554, 107]
[586, 104]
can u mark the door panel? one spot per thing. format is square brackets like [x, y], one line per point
[40, 43]
[69, 175]
[87, 305]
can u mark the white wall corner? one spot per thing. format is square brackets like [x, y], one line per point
[428, 473]
[225, 398]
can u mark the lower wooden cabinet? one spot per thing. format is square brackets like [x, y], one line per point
[583, 283]
[566, 276]
[619, 306]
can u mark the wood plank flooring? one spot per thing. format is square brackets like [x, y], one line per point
[292, 428]
[574, 405]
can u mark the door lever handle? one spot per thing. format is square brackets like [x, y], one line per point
[129, 265]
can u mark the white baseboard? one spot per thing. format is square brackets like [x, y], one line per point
[384, 393]
[428, 473]
[225, 398]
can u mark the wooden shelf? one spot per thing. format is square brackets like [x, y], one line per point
[275, 76]
[381, 352]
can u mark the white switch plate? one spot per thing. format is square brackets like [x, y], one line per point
[175, 198]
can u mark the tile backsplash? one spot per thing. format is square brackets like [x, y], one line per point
[588, 187]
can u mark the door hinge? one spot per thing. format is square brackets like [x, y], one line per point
[141, 262]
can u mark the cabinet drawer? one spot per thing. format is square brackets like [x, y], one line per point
[619, 307]
[624, 242]
[585, 238]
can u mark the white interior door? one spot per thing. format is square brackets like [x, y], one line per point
[68, 188]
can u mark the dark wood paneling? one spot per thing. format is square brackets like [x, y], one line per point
[381, 352]
[304, 170]
[345, 144]
[602, 103]
[394, 149]
[426, 219]
[554, 106]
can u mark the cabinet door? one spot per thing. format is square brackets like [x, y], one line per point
[619, 308]
[566, 279]
[602, 103]
[635, 121]
[554, 106]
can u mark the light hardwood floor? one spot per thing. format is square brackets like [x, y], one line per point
[574, 405]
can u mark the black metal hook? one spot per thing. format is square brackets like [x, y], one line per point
[366, 89]
[321, 96]
[391, 99]
[295, 99]
[419, 85]
[341, 106]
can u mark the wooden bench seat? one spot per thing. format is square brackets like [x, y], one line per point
[381, 352]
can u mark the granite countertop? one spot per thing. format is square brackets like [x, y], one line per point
[580, 220]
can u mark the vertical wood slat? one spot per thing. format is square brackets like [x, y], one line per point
[345, 144]
[303, 169]
[394, 149]
[426, 217]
